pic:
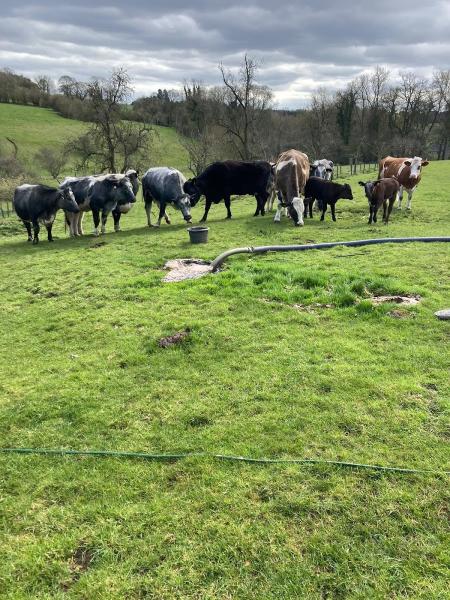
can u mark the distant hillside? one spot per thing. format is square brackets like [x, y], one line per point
[33, 128]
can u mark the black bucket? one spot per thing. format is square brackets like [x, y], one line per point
[198, 235]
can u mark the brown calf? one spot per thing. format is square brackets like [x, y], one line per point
[381, 193]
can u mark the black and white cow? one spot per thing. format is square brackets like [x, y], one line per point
[40, 203]
[221, 180]
[100, 194]
[133, 176]
[165, 186]
[322, 168]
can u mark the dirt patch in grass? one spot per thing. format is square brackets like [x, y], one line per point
[174, 339]
[405, 300]
[186, 268]
[79, 563]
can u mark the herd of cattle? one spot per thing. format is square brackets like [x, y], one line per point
[291, 180]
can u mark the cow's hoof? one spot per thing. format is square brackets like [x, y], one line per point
[30, 240]
[154, 225]
[35, 241]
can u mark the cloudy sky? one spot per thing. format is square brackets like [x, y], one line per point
[301, 45]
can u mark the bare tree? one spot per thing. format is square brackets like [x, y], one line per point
[203, 147]
[111, 142]
[53, 161]
[44, 84]
[245, 104]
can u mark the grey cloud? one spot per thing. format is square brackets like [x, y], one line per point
[301, 46]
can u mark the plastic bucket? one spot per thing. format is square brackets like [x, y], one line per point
[198, 235]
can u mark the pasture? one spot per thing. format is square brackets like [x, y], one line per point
[286, 357]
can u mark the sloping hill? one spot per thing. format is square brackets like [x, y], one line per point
[32, 128]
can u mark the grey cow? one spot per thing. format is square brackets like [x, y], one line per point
[165, 185]
[322, 168]
[99, 193]
[36, 204]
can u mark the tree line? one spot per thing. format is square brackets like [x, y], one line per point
[372, 116]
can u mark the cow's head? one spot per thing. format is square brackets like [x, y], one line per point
[318, 169]
[66, 200]
[295, 210]
[346, 192]
[368, 189]
[183, 204]
[415, 166]
[123, 190]
[133, 176]
[192, 189]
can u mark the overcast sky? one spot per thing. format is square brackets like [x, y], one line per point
[301, 45]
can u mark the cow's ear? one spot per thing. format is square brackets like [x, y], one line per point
[407, 162]
[425, 163]
[361, 183]
[331, 163]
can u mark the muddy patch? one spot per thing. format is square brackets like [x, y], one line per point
[186, 268]
[404, 300]
[174, 339]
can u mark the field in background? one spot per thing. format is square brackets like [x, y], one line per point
[32, 128]
[286, 357]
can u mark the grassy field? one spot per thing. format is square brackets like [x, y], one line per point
[286, 357]
[31, 128]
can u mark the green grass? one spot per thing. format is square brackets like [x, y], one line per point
[81, 368]
[31, 128]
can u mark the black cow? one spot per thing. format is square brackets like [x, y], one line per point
[221, 180]
[40, 203]
[99, 193]
[326, 193]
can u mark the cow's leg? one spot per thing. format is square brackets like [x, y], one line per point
[28, 228]
[162, 212]
[261, 200]
[277, 217]
[389, 210]
[410, 193]
[310, 204]
[80, 217]
[78, 223]
[208, 203]
[400, 197]
[333, 207]
[116, 216]
[49, 231]
[104, 219]
[227, 200]
[271, 200]
[167, 218]
[96, 219]
[36, 230]
[148, 210]
[324, 210]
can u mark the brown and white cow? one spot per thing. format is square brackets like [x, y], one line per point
[408, 171]
[291, 175]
